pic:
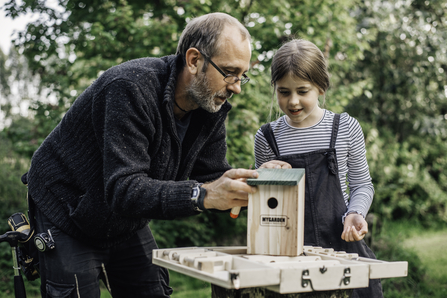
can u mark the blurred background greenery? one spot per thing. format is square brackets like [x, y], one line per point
[388, 63]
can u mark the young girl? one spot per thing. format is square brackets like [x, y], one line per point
[331, 149]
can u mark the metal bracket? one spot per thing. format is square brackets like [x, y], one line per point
[305, 279]
[346, 279]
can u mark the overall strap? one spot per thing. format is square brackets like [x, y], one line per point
[268, 134]
[335, 125]
[332, 161]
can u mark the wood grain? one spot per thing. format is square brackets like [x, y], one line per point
[279, 230]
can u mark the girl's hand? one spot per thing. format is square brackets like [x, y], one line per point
[275, 164]
[355, 228]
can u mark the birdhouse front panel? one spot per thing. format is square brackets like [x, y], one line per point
[276, 213]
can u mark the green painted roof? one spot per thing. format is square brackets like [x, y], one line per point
[277, 177]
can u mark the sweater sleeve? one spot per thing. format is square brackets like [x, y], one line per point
[360, 185]
[124, 127]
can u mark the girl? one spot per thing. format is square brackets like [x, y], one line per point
[331, 149]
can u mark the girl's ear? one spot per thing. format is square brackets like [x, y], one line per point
[192, 60]
[321, 92]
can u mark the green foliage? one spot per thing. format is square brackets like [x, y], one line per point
[12, 200]
[387, 61]
[408, 176]
[5, 72]
[69, 50]
[389, 249]
[392, 245]
[12, 191]
[402, 106]
[188, 287]
[208, 229]
[404, 67]
[27, 133]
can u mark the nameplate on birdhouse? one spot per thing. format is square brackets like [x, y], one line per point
[276, 221]
[276, 213]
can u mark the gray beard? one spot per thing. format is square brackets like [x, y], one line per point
[200, 93]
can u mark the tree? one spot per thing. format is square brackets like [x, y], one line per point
[403, 105]
[12, 200]
[19, 88]
[68, 47]
[387, 61]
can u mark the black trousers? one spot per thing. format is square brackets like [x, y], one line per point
[74, 268]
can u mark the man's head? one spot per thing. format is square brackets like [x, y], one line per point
[219, 38]
[203, 33]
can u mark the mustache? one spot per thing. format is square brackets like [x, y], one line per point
[226, 94]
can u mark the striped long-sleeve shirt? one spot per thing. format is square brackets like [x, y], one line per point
[350, 148]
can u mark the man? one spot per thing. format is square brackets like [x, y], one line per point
[136, 145]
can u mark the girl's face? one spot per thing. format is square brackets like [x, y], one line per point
[298, 99]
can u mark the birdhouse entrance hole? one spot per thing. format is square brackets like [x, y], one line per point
[272, 203]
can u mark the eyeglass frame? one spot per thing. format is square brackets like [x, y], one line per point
[245, 79]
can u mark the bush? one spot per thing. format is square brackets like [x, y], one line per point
[207, 229]
[388, 248]
[12, 200]
[408, 176]
[388, 245]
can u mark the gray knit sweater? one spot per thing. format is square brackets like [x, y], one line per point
[115, 160]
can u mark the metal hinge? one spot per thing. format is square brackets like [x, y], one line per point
[305, 279]
[346, 279]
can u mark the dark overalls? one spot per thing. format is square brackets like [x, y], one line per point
[324, 202]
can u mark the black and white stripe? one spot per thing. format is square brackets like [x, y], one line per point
[350, 147]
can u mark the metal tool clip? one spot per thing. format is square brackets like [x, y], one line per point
[305, 279]
[346, 279]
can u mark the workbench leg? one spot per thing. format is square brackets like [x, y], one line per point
[219, 292]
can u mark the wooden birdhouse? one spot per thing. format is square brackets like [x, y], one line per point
[276, 213]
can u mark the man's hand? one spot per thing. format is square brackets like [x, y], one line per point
[355, 228]
[275, 164]
[230, 190]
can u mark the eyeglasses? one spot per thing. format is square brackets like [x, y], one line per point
[228, 78]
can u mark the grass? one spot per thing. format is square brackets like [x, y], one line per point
[183, 286]
[425, 251]
[188, 287]
[431, 247]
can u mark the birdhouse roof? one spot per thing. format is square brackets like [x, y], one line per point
[277, 177]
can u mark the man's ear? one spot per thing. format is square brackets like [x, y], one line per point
[192, 60]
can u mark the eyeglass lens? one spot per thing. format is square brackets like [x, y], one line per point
[231, 79]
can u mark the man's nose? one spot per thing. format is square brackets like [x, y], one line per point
[235, 88]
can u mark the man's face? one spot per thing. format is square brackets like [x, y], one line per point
[208, 89]
[201, 93]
